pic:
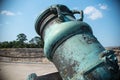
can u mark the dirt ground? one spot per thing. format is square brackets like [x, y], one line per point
[20, 71]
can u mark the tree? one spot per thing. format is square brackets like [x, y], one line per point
[21, 37]
[36, 41]
[4, 44]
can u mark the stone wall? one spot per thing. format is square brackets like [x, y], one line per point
[25, 55]
[28, 55]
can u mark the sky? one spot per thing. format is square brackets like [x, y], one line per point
[19, 16]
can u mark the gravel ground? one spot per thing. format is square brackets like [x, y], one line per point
[20, 71]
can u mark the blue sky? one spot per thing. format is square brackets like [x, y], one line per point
[18, 16]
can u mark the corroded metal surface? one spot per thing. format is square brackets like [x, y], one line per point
[52, 76]
[72, 47]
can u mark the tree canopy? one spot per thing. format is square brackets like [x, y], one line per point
[21, 37]
[21, 42]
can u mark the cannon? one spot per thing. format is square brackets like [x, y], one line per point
[70, 44]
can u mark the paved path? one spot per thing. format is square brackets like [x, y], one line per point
[20, 71]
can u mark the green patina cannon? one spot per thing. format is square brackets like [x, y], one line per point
[70, 44]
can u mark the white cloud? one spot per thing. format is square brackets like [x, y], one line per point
[92, 13]
[8, 13]
[102, 6]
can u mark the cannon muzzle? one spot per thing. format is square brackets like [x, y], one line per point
[70, 44]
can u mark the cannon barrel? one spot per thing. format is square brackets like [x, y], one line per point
[70, 44]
